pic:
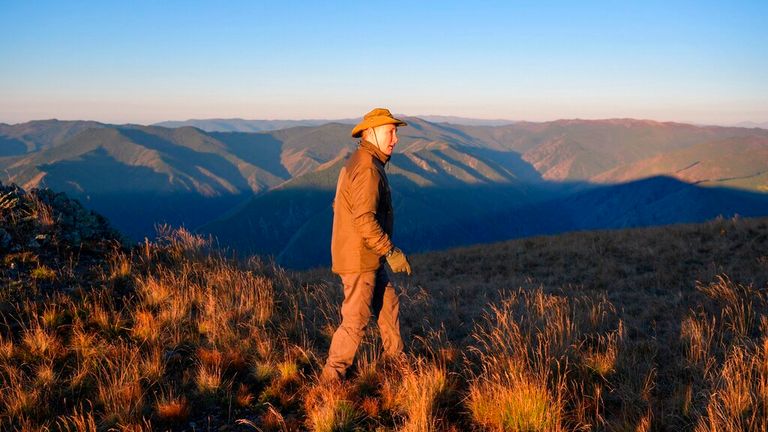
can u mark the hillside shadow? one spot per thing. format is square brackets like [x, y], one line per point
[261, 150]
[11, 147]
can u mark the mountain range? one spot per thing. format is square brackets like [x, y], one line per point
[243, 125]
[270, 191]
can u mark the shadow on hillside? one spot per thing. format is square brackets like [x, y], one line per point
[176, 209]
[261, 150]
[11, 147]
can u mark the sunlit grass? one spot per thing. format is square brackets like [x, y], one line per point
[188, 332]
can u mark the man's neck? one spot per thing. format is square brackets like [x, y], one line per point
[380, 155]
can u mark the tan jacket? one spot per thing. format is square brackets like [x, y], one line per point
[362, 213]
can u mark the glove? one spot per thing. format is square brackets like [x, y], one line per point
[397, 261]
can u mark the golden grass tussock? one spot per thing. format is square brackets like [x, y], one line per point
[7, 348]
[19, 396]
[45, 375]
[153, 290]
[41, 342]
[739, 398]
[244, 397]
[171, 407]
[262, 371]
[146, 327]
[512, 401]
[329, 408]
[738, 311]
[43, 273]
[85, 345]
[240, 297]
[52, 316]
[424, 389]
[698, 336]
[522, 348]
[210, 376]
[118, 384]
[284, 385]
[180, 243]
[601, 353]
[119, 265]
[78, 421]
[152, 364]
[41, 211]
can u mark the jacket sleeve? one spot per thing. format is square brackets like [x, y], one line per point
[364, 201]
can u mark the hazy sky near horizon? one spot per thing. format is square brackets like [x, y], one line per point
[148, 61]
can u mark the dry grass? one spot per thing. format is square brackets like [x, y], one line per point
[118, 384]
[209, 376]
[19, 396]
[329, 408]
[511, 401]
[422, 392]
[654, 329]
[172, 408]
[523, 349]
[119, 265]
[41, 342]
[41, 211]
[78, 421]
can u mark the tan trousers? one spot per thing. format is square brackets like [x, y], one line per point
[365, 294]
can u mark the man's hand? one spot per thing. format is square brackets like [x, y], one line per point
[397, 261]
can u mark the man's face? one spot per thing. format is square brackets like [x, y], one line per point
[385, 136]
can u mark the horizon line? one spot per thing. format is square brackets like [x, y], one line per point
[744, 124]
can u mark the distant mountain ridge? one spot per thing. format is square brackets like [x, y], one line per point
[258, 125]
[39, 134]
[243, 125]
[751, 124]
[466, 121]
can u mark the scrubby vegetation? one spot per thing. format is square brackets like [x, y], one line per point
[643, 329]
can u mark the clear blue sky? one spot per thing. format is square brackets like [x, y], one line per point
[147, 61]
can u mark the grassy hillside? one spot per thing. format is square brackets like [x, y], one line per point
[644, 329]
[733, 162]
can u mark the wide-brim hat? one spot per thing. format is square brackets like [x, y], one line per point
[376, 117]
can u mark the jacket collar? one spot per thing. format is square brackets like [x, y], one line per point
[374, 150]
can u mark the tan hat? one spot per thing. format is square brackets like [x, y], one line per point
[376, 117]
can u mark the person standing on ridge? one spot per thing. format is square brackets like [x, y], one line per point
[362, 240]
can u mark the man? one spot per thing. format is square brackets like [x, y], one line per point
[362, 241]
